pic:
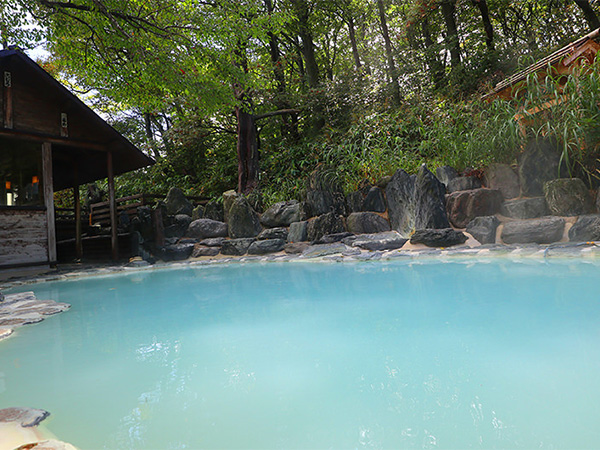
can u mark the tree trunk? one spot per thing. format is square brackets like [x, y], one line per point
[436, 69]
[392, 73]
[487, 23]
[308, 45]
[247, 150]
[589, 14]
[449, 12]
[352, 35]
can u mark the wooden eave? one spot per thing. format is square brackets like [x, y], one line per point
[80, 156]
[559, 61]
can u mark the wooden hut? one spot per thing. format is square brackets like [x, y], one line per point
[49, 141]
[560, 64]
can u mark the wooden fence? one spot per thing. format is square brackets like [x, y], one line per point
[100, 212]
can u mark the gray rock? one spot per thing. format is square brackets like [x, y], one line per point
[298, 231]
[400, 193]
[316, 251]
[354, 201]
[282, 214]
[237, 247]
[586, 229]
[374, 201]
[389, 240]
[538, 164]
[273, 233]
[383, 182]
[525, 208]
[206, 228]
[198, 212]
[322, 202]
[266, 246]
[243, 221]
[177, 203]
[503, 178]
[445, 237]
[464, 206]
[179, 227]
[26, 417]
[430, 203]
[228, 198]
[324, 224]
[540, 231]
[598, 200]
[201, 250]
[367, 222]
[214, 210]
[445, 174]
[295, 248]
[175, 252]
[335, 237]
[213, 242]
[568, 197]
[463, 184]
[484, 229]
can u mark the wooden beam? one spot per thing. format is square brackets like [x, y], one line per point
[49, 200]
[8, 100]
[39, 137]
[77, 201]
[113, 208]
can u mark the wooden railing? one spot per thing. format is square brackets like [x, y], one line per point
[100, 212]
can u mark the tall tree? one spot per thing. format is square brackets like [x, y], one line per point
[392, 72]
[588, 13]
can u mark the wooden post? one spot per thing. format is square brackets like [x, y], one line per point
[49, 200]
[113, 208]
[77, 201]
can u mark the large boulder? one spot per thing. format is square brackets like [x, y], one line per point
[389, 240]
[206, 228]
[464, 206]
[175, 252]
[525, 208]
[445, 237]
[539, 231]
[322, 202]
[324, 224]
[366, 222]
[273, 233]
[177, 203]
[354, 201]
[203, 250]
[484, 229]
[179, 226]
[298, 232]
[198, 212]
[416, 202]
[242, 220]
[374, 201]
[214, 210]
[568, 197]
[463, 184]
[237, 247]
[228, 198]
[538, 164]
[282, 214]
[445, 174]
[400, 193]
[266, 246]
[587, 228]
[503, 178]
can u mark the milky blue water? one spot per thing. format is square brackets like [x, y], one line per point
[484, 354]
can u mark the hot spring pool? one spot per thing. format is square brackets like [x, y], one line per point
[479, 354]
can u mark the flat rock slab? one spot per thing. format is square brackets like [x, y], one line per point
[539, 231]
[266, 246]
[445, 237]
[390, 240]
[26, 417]
[317, 251]
[525, 208]
[23, 309]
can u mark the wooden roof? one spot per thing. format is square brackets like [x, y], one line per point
[37, 108]
[585, 46]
